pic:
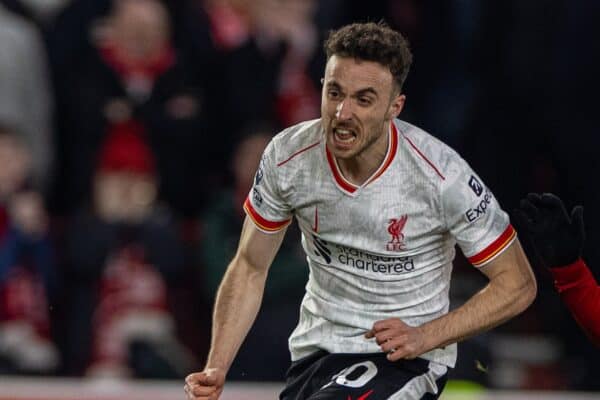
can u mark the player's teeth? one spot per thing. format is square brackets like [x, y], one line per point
[344, 135]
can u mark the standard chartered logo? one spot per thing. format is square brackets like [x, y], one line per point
[361, 260]
[373, 262]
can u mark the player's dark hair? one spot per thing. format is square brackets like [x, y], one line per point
[372, 42]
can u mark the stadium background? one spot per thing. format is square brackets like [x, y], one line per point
[511, 85]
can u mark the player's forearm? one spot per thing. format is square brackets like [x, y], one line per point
[506, 295]
[580, 292]
[238, 301]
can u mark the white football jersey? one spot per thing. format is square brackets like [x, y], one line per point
[383, 249]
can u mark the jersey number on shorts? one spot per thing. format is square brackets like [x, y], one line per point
[354, 376]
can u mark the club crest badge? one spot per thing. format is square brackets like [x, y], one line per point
[395, 228]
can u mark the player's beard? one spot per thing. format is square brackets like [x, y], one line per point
[366, 138]
[372, 138]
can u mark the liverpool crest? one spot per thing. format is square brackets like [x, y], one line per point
[395, 227]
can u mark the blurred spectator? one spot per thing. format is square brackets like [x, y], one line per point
[135, 71]
[222, 221]
[68, 37]
[276, 42]
[25, 100]
[124, 254]
[290, 23]
[27, 274]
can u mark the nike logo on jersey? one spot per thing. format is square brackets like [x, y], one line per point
[363, 397]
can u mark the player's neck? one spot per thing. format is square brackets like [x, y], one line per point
[361, 167]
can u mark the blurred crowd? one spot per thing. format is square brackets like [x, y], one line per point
[129, 135]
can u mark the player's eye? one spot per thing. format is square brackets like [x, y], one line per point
[333, 94]
[365, 101]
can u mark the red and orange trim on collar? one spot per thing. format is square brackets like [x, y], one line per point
[350, 187]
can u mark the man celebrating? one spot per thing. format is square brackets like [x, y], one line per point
[380, 204]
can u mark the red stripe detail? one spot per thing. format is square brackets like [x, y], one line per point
[497, 246]
[391, 153]
[425, 158]
[364, 396]
[261, 222]
[316, 225]
[344, 184]
[298, 152]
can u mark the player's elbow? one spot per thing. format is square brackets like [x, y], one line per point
[525, 294]
[250, 270]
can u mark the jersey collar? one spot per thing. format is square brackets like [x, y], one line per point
[349, 187]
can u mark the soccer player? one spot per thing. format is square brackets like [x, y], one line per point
[380, 204]
[557, 240]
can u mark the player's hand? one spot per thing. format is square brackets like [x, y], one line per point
[205, 385]
[397, 339]
[556, 236]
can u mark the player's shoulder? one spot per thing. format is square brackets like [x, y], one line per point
[434, 157]
[296, 141]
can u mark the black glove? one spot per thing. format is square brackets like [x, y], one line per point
[557, 237]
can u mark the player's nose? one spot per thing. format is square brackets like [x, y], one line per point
[343, 110]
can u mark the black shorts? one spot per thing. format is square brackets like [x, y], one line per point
[325, 376]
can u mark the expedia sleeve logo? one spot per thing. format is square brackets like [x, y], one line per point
[475, 186]
[480, 209]
[259, 175]
[257, 197]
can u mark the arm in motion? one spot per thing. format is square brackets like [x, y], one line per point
[510, 290]
[237, 304]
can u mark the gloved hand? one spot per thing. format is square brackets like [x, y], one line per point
[557, 237]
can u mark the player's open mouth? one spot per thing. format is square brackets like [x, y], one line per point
[344, 136]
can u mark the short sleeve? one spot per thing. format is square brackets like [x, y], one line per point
[264, 204]
[473, 216]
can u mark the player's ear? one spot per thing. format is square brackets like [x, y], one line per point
[396, 105]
